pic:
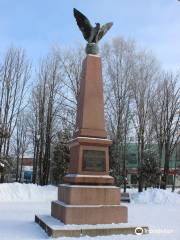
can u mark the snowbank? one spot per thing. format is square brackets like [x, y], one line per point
[18, 192]
[155, 196]
[15, 192]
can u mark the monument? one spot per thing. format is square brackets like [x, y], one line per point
[88, 195]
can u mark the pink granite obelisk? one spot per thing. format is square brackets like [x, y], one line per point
[88, 196]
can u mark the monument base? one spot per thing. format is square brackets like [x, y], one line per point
[86, 204]
[102, 214]
[55, 228]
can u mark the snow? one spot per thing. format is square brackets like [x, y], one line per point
[17, 192]
[2, 164]
[158, 209]
[155, 196]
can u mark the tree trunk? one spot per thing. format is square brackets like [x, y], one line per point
[2, 176]
[166, 165]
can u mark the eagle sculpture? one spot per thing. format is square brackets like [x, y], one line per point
[90, 33]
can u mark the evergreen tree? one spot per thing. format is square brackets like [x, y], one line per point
[60, 161]
[150, 168]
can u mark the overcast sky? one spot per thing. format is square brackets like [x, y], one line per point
[36, 25]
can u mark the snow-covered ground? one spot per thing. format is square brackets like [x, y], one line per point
[158, 209]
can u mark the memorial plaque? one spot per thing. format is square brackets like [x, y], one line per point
[94, 161]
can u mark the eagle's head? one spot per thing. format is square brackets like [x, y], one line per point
[98, 25]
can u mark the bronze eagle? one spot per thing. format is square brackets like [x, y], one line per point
[90, 33]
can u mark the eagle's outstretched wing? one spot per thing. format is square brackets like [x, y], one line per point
[83, 23]
[104, 29]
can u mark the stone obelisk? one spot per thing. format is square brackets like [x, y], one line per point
[88, 195]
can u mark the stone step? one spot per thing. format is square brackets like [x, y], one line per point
[88, 214]
[55, 228]
[88, 195]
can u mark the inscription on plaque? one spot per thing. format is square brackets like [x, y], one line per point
[94, 161]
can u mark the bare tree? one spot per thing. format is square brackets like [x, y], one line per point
[166, 116]
[118, 60]
[21, 143]
[14, 74]
[71, 66]
[45, 105]
[145, 74]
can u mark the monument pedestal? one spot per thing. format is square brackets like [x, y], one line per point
[89, 161]
[79, 204]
